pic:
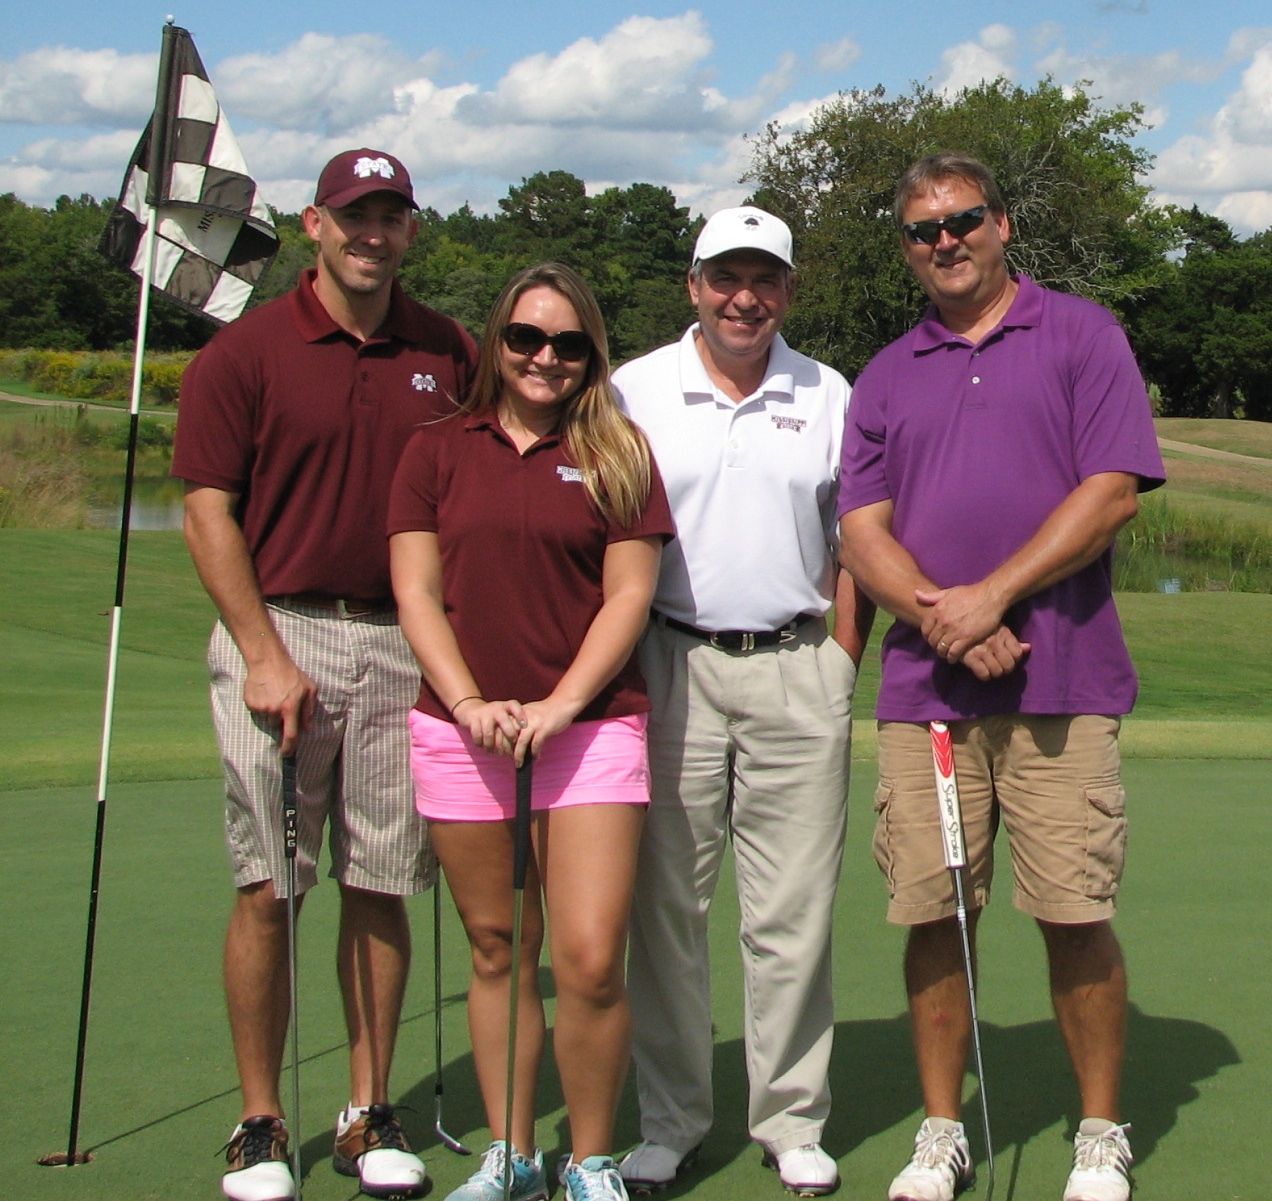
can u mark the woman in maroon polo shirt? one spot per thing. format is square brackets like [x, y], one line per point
[525, 535]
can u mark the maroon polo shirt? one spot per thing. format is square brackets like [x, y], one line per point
[522, 547]
[306, 424]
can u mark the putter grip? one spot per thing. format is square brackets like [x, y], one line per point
[947, 796]
[289, 806]
[521, 827]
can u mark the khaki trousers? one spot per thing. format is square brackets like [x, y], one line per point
[753, 744]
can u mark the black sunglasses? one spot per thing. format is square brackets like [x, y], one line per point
[958, 224]
[570, 345]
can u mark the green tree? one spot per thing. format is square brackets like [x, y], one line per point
[1069, 172]
[1205, 336]
[58, 292]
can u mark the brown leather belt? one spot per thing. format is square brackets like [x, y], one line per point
[739, 640]
[345, 608]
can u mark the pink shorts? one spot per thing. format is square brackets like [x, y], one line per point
[591, 763]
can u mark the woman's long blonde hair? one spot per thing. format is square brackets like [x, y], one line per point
[611, 452]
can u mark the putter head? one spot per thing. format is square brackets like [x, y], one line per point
[449, 1140]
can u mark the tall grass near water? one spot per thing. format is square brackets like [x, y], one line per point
[56, 464]
[44, 480]
[1171, 547]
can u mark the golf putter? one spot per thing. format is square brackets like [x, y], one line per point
[520, 861]
[289, 851]
[955, 848]
[448, 1140]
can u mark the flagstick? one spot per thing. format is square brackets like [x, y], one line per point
[117, 613]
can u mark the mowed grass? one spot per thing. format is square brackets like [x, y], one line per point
[59, 588]
[1238, 437]
[1204, 665]
[160, 1092]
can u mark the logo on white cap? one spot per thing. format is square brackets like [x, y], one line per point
[365, 167]
[744, 228]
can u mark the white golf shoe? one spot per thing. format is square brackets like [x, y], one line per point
[941, 1166]
[1101, 1163]
[806, 1171]
[652, 1166]
[257, 1167]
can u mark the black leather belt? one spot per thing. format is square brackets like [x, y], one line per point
[739, 640]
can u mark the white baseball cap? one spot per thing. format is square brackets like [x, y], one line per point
[744, 228]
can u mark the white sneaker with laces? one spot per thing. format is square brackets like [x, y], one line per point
[806, 1171]
[1101, 1163]
[941, 1166]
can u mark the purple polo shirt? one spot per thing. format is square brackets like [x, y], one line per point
[975, 446]
[522, 549]
[305, 423]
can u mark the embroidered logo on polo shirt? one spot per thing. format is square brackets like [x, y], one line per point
[366, 167]
[789, 423]
[571, 475]
[423, 383]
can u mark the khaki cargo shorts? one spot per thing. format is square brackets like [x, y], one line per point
[1053, 781]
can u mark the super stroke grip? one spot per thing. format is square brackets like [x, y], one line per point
[947, 796]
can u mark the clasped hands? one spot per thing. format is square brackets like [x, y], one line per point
[964, 624]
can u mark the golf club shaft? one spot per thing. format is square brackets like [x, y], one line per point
[448, 1140]
[290, 837]
[520, 861]
[955, 849]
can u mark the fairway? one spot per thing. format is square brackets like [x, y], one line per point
[160, 1074]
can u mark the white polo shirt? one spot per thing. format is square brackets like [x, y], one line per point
[752, 485]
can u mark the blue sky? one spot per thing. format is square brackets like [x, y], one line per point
[475, 96]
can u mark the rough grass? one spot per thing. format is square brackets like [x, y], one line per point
[60, 463]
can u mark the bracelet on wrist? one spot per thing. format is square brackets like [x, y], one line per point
[462, 699]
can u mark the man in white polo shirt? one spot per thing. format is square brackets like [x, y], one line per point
[750, 729]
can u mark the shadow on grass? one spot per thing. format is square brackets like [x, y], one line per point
[875, 1086]
[1031, 1085]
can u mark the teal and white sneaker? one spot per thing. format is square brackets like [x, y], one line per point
[529, 1180]
[595, 1179]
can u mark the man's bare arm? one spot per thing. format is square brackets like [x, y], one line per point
[275, 686]
[1076, 533]
[854, 616]
[889, 574]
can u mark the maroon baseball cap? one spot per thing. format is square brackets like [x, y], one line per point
[357, 173]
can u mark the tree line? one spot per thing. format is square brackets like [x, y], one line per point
[1195, 298]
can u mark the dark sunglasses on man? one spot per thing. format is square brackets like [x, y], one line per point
[570, 345]
[958, 225]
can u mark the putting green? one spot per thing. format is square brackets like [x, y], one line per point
[160, 1097]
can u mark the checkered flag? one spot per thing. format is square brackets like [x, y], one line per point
[214, 235]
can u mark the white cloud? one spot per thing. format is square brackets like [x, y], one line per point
[971, 63]
[1227, 168]
[1248, 114]
[1117, 79]
[837, 56]
[61, 86]
[320, 82]
[645, 73]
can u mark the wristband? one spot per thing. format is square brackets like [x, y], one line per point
[462, 699]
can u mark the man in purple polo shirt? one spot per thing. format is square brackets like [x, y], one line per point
[292, 422]
[991, 456]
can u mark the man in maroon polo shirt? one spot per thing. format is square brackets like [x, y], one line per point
[292, 421]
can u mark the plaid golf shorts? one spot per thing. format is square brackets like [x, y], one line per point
[353, 764]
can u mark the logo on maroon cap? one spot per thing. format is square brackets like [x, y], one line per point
[366, 167]
[357, 173]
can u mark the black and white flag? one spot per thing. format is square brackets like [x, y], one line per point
[214, 234]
